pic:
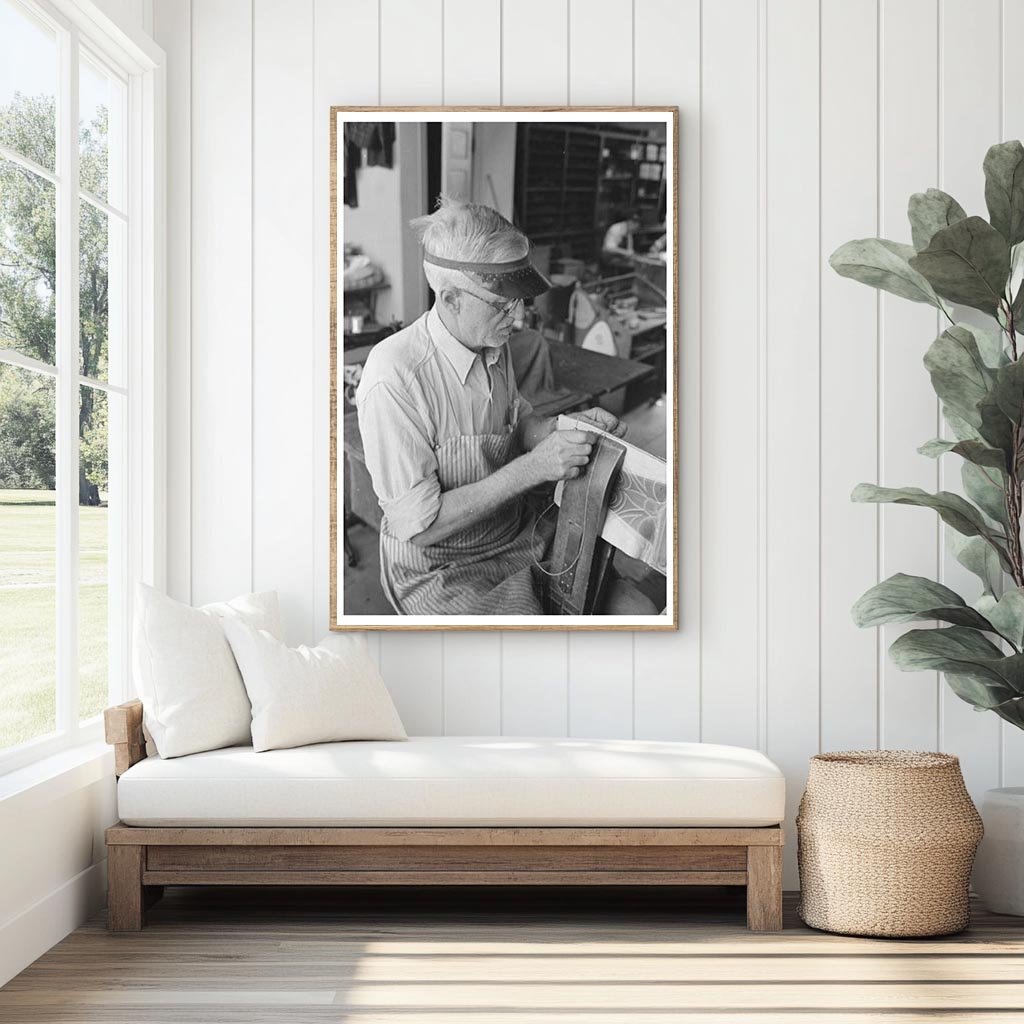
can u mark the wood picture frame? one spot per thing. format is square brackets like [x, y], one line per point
[356, 606]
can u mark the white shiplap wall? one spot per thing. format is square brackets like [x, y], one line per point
[804, 123]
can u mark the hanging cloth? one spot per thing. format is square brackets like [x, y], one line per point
[378, 139]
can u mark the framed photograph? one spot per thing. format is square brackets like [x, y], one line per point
[504, 351]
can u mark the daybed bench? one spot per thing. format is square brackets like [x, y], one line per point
[444, 811]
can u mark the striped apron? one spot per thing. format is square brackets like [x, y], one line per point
[486, 569]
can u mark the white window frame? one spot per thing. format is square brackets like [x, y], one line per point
[141, 64]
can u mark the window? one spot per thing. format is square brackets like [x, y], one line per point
[77, 249]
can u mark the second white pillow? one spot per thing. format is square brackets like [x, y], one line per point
[308, 695]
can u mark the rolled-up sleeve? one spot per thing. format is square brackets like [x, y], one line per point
[400, 458]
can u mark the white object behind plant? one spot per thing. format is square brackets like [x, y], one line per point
[191, 690]
[310, 694]
[999, 866]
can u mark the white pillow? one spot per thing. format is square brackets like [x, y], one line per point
[192, 693]
[309, 694]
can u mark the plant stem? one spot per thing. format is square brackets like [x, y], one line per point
[1012, 497]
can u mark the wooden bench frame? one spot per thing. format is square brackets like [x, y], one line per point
[142, 860]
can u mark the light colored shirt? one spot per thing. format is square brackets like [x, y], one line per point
[421, 387]
[618, 236]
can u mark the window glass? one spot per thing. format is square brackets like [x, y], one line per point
[101, 106]
[100, 241]
[28, 263]
[28, 549]
[93, 550]
[28, 85]
[48, 407]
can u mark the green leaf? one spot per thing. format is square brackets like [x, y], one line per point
[990, 345]
[982, 693]
[964, 652]
[967, 263]
[903, 598]
[1004, 189]
[958, 372]
[984, 486]
[1009, 390]
[932, 211]
[1017, 307]
[883, 264]
[973, 451]
[962, 430]
[976, 555]
[995, 428]
[1006, 614]
[1011, 711]
[952, 509]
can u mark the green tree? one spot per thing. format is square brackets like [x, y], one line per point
[28, 281]
[26, 430]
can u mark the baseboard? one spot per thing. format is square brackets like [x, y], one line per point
[26, 937]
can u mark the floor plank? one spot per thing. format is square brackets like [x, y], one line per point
[493, 956]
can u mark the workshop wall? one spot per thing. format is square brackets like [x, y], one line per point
[803, 123]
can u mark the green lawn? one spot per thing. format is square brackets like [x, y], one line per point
[28, 617]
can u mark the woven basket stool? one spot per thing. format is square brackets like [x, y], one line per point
[885, 843]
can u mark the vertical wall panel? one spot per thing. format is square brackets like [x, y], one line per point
[667, 665]
[472, 684]
[221, 377]
[601, 52]
[472, 52]
[534, 51]
[472, 74]
[600, 685]
[729, 360]
[534, 670]
[411, 72]
[1012, 127]
[283, 308]
[792, 417]
[412, 665]
[849, 369]
[411, 66]
[173, 30]
[600, 71]
[535, 684]
[353, 81]
[745, 75]
[909, 414]
[968, 125]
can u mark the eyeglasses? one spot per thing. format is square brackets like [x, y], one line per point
[508, 309]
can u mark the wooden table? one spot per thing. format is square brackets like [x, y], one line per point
[594, 373]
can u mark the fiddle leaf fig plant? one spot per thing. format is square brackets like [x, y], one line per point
[978, 375]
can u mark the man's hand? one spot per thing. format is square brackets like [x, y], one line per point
[604, 420]
[561, 455]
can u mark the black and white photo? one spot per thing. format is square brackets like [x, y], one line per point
[504, 368]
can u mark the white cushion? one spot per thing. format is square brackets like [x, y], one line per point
[309, 694]
[456, 780]
[191, 691]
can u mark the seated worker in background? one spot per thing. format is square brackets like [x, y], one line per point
[451, 446]
[618, 247]
[619, 237]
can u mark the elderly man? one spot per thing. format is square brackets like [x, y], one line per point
[451, 446]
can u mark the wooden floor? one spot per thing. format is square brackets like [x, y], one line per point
[218, 956]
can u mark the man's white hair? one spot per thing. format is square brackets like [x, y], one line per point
[457, 230]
